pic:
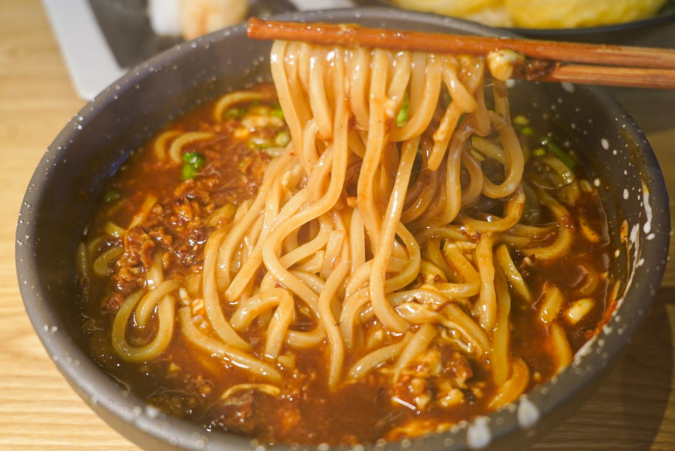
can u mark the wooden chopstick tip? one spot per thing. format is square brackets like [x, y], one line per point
[252, 25]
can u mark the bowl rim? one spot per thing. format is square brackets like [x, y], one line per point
[107, 399]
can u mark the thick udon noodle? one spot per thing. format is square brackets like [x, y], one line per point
[338, 233]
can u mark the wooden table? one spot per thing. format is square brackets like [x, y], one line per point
[38, 410]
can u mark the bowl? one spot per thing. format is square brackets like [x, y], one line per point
[82, 159]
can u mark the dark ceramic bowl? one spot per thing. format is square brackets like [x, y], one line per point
[83, 158]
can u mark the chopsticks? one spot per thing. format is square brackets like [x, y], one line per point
[609, 65]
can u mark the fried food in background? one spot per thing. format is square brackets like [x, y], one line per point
[540, 13]
[488, 12]
[459, 8]
[579, 13]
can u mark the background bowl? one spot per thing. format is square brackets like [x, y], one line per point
[83, 158]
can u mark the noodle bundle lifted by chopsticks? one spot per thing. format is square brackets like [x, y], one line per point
[333, 225]
[383, 235]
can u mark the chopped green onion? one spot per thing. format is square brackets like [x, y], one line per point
[539, 152]
[282, 139]
[402, 117]
[558, 152]
[527, 131]
[195, 159]
[234, 113]
[521, 120]
[257, 143]
[446, 96]
[111, 196]
[277, 113]
[274, 151]
[189, 172]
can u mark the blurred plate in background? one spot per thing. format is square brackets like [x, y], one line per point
[126, 27]
[101, 39]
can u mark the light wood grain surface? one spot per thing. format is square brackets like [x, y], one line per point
[633, 410]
